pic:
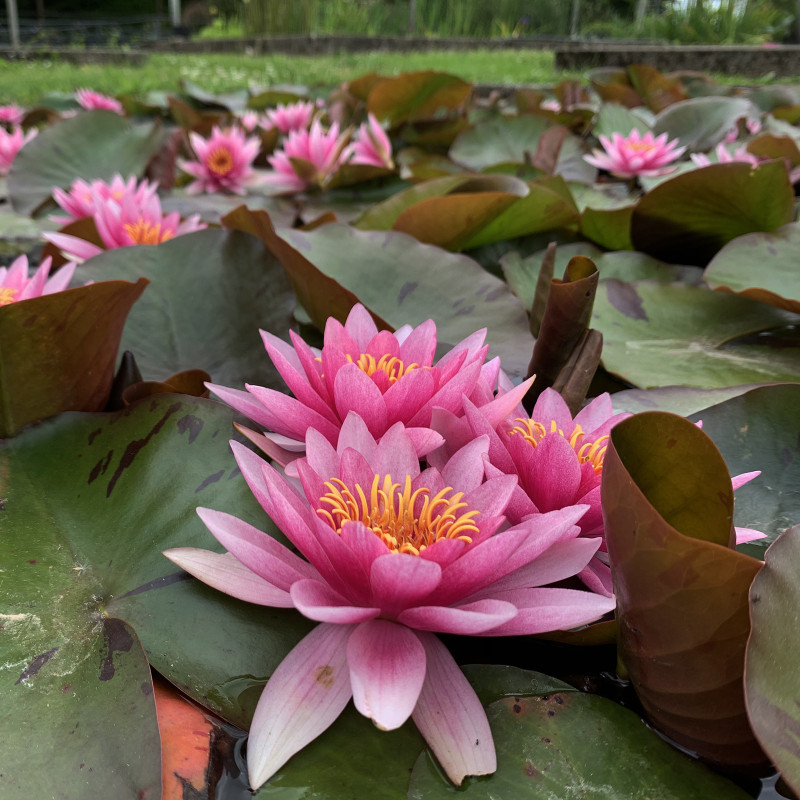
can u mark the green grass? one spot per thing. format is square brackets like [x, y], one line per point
[27, 82]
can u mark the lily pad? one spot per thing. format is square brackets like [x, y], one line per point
[567, 744]
[689, 218]
[671, 334]
[499, 141]
[415, 96]
[210, 292]
[58, 351]
[93, 144]
[681, 591]
[675, 399]
[700, 123]
[761, 266]
[615, 118]
[760, 430]
[772, 681]
[85, 583]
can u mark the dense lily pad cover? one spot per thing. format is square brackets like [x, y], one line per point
[224, 243]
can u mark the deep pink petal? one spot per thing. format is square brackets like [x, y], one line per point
[467, 620]
[553, 473]
[424, 440]
[355, 391]
[387, 670]
[451, 718]
[319, 602]
[401, 580]
[465, 469]
[408, 394]
[396, 455]
[355, 434]
[293, 418]
[305, 694]
[550, 406]
[419, 347]
[360, 326]
[223, 572]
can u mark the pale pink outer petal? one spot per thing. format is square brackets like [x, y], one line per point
[467, 620]
[451, 718]
[748, 535]
[542, 610]
[304, 696]
[319, 602]
[223, 572]
[745, 477]
[258, 551]
[74, 248]
[387, 670]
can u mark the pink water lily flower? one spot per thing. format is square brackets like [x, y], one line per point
[126, 223]
[308, 158]
[16, 285]
[558, 461]
[635, 155]
[394, 555]
[11, 142]
[81, 199]
[724, 156]
[370, 146]
[90, 100]
[384, 377]
[287, 117]
[11, 115]
[224, 162]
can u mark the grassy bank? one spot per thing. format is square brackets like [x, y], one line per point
[27, 82]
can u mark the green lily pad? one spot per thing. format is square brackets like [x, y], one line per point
[688, 218]
[772, 681]
[210, 292]
[671, 334]
[761, 266]
[701, 122]
[675, 399]
[402, 281]
[90, 501]
[760, 430]
[93, 144]
[567, 744]
[610, 228]
[615, 118]
[681, 590]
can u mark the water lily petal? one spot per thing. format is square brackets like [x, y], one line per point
[255, 549]
[319, 602]
[387, 670]
[542, 610]
[304, 696]
[467, 620]
[451, 718]
[400, 580]
[223, 572]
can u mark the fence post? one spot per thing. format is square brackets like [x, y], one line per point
[412, 17]
[13, 23]
[576, 10]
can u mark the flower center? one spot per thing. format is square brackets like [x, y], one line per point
[591, 452]
[7, 295]
[640, 147]
[406, 521]
[220, 160]
[144, 232]
[391, 365]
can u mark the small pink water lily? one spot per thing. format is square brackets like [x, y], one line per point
[81, 199]
[11, 142]
[308, 158]
[384, 377]
[249, 120]
[126, 223]
[90, 100]
[224, 162]
[15, 285]
[287, 117]
[635, 155]
[11, 115]
[725, 156]
[394, 555]
[370, 146]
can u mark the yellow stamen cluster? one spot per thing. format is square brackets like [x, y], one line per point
[144, 232]
[641, 147]
[391, 365]
[592, 452]
[7, 295]
[406, 521]
[220, 160]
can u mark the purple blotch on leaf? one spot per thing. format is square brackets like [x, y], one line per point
[118, 640]
[626, 300]
[33, 668]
